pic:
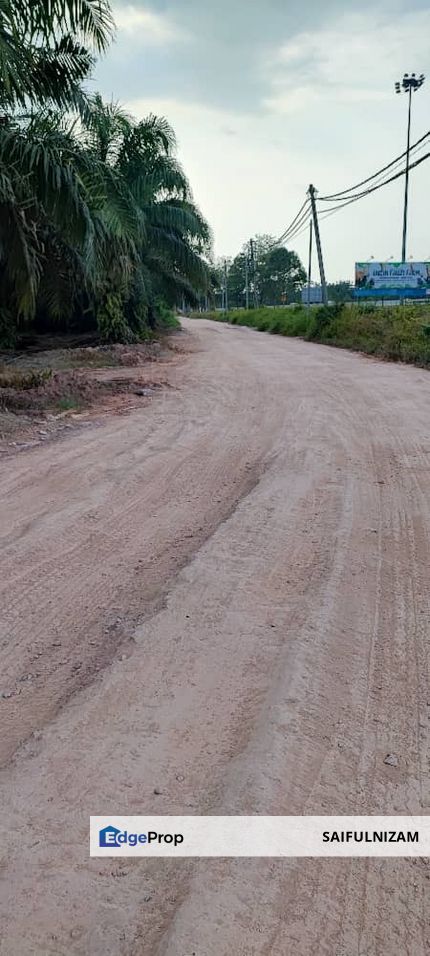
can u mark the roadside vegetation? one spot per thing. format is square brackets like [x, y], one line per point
[99, 232]
[274, 275]
[398, 333]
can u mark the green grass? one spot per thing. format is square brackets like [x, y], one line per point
[399, 333]
[23, 379]
[69, 403]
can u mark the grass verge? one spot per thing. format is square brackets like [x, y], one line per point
[398, 333]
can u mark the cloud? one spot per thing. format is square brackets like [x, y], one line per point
[243, 178]
[225, 40]
[143, 26]
[267, 54]
[353, 61]
[266, 97]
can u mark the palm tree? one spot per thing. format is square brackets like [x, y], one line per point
[173, 236]
[41, 201]
[96, 215]
[101, 213]
[43, 60]
[44, 53]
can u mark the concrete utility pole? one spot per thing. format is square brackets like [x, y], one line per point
[310, 264]
[409, 84]
[247, 279]
[225, 287]
[311, 193]
[254, 289]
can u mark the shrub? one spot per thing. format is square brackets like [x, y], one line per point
[111, 321]
[24, 380]
[398, 333]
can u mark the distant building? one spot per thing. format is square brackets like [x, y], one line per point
[312, 294]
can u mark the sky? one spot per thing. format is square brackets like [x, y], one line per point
[267, 96]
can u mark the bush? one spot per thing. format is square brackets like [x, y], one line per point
[398, 333]
[24, 380]
[111, 322]
[9, 333]
[166, 319]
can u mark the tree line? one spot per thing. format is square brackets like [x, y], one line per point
[264, 274]
[98, 227]
[261, 274]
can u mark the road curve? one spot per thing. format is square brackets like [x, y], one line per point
[222, 597]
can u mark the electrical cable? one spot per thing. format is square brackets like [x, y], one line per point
[373, 189]
[344, 192]
[290, 235]
[301, 227]
[299, 224]
[381, 179]
[292, 224]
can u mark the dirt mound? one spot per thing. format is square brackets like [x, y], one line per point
[42, 388]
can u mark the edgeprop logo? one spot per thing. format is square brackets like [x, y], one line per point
[111, 836]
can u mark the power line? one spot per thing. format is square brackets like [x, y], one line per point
[380, 179]
[344, 192]
[302, 227]
[303, 216]
[290, 235]
[373, 189]
[347, 202]
[400, 164]
[292, 224]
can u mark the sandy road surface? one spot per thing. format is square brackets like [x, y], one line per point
[224, 597]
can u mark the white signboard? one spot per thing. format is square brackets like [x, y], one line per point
[392, 275]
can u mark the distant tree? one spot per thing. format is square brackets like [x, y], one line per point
[339, 291]
[280, 277]
[237, 281]
[275, 274]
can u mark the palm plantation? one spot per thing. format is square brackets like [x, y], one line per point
[98, 229]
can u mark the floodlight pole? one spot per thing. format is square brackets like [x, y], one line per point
[405, 207]
[409, 84]
[225, 287]
[311, 192]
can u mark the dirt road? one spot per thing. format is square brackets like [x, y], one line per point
[222, 597]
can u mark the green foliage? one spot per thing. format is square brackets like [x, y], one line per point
[275, 274]
[399, 333]
[43, 49]
[98, 228]
[322, 318]
[24, 379]
[9, 333]
[111, 320]
[280, 276]
[339, 292]
[166, 318]
[68, 403]
[292, 321]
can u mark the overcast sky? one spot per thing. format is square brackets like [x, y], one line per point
[266, 97]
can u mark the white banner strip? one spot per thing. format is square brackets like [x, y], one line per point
[260, 836]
